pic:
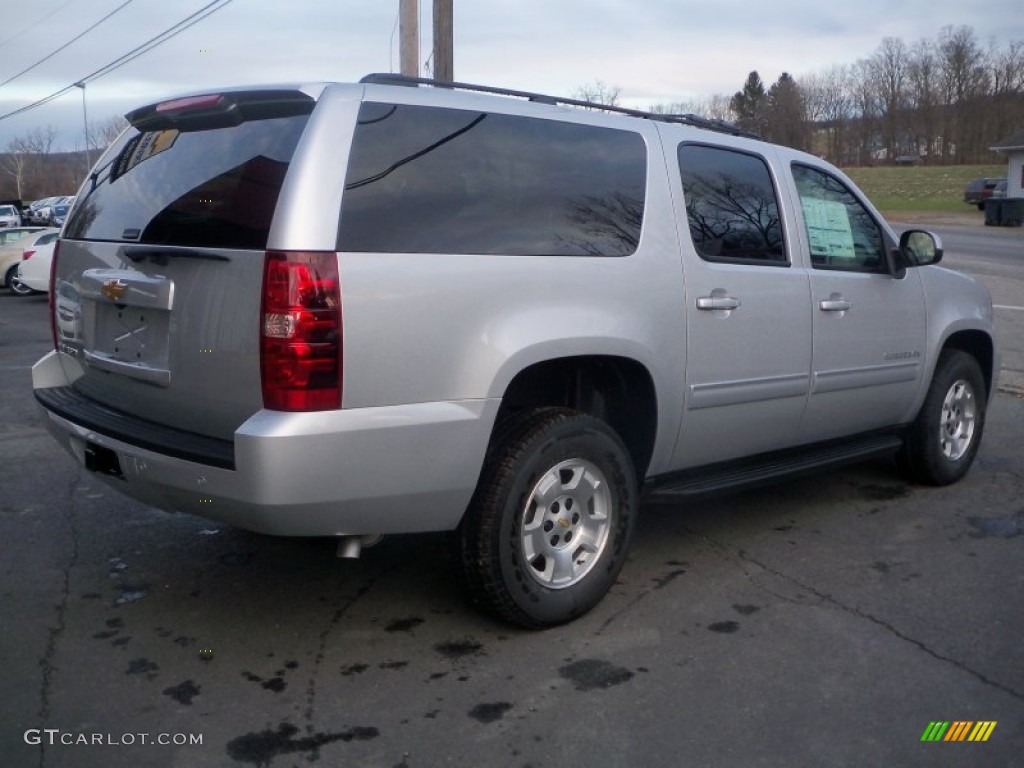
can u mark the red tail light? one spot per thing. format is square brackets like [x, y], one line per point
[301, 333]
[26, 255]
[53, 294]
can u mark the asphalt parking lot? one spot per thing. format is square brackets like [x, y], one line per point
[826, 621]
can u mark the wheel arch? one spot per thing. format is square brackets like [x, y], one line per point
[618, 390]
[980, 346]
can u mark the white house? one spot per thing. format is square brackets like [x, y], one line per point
[1014, 149]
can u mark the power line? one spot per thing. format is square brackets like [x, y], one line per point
[35, 24]
[157, 40]
[171, 32]
[69, 42]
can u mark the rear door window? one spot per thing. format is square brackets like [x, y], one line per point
[433, 180]
[214, 187]
[731, 206]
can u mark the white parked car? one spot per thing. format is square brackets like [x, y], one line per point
[9, 216]
[34, 269]
[13, 241]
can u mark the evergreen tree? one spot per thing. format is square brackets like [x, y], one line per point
[750, 104]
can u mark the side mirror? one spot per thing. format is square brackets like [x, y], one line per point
[919, 248]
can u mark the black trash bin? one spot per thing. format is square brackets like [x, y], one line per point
[993, 212]
[1012, 213]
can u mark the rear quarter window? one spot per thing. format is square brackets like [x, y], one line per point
[432, 180]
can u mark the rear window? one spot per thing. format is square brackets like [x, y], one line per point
[433, 180]
[215, 188]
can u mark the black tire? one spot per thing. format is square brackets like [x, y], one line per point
[943, 440]
[14, 285]
[541, 564]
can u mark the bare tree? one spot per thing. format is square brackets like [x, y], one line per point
[102, 133]
[864, 93]
[16, 162]
[946, 99]
[599, 93]
[40, 140]
[923, 99]
[889, 66]
[714, 107]
[27, 158]
[963, 77]
[718, 107]
[1007, 89]
[828, 103]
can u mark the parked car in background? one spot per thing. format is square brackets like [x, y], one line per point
[39, 251]
[40, 210]
[978, 191]
[13, 242]
[9, 216]
[59, 212]
[46, 211]
[32, 212]
[1000, 190]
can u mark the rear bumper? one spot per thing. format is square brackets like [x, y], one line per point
[394, 469]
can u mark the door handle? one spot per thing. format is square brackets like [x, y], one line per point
[834, 304]
[717, 302]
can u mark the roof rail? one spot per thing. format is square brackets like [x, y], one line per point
[721, 126]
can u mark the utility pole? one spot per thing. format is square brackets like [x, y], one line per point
[409, 37]
[85, 122]
[443, 41]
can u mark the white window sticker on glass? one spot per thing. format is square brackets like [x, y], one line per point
[828, 227]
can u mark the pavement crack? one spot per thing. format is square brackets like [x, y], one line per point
[46, 662]
[621, 611]
[325, 633]
[824, 598]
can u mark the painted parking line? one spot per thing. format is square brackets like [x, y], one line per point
[1007, 306]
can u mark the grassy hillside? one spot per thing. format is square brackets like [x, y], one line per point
[920, 188]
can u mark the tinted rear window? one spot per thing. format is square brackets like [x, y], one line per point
[213, 188]
[731, 206]
[431, 180]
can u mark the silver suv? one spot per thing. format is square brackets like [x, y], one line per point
[388, 307]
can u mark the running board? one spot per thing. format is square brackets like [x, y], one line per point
[768, 467]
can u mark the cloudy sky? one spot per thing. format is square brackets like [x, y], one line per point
[656, 51]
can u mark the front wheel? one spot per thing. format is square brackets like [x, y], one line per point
[550, 524]
[942, 442]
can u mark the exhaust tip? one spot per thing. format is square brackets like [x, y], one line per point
[351, 547]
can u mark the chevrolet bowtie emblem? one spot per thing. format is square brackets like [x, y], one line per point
[114, 289]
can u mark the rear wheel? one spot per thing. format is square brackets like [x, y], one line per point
[551, 521]
[942, 442]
